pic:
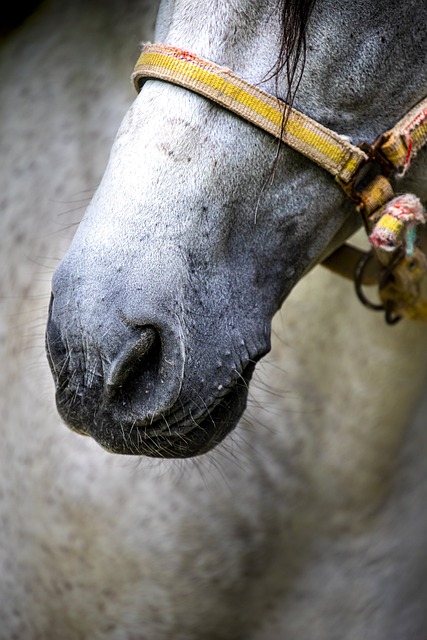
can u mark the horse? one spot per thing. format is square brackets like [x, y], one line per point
[306, 519]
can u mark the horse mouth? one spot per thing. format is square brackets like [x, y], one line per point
[179, 434]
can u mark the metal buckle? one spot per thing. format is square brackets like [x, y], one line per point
[375, 164]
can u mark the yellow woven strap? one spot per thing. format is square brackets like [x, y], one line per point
[401, 144]
[321, 145]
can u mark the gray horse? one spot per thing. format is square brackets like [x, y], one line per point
[189, 247]
[307, 521]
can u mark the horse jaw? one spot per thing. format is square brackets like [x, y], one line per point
[196, 235]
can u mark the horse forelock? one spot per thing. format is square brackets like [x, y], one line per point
[294, 16]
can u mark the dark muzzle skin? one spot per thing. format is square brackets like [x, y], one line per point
[152, 382]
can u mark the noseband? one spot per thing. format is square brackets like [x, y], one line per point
[396, 263]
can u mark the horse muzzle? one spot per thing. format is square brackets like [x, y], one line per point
[132, 392]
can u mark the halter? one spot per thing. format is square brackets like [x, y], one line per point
[395, 263]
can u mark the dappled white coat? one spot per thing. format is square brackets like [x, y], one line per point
[308, 522]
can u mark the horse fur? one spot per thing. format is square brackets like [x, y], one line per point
[308, 521]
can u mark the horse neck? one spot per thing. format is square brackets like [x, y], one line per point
[353, 386]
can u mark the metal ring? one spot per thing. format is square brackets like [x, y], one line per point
[358, 283]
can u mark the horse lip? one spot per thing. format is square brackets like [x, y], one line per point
[180, 439]
[162, 428]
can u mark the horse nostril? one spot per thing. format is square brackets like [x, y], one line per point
[55, 347]
[140, 356]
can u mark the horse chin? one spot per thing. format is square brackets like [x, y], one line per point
[185, 438]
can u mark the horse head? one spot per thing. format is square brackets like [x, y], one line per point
[202, 223]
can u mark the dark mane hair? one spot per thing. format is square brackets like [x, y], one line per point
[294, 16]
